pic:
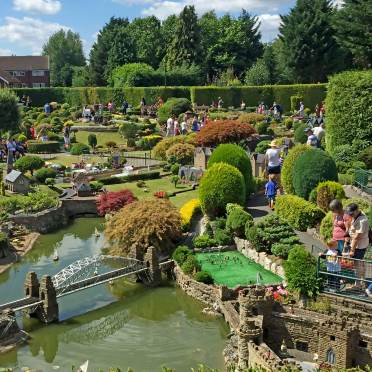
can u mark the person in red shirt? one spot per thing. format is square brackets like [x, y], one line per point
[341, 223]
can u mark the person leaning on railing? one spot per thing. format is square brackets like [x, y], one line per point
[359, 238]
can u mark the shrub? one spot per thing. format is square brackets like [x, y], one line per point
[288, 122]
[181, 253]
[191, 265]
[35, 147]
[236, 156]
[310, 168]
[144, 223]
[22, 138]
[128, 130]
[222, 237]
[9, 111]
[92, 140]
[95, 186]
[345, 179]
[300, 272]
[299, 134]
[218, 223]
[231, 206]
[112, 201]
[175, 168]
[38, 201]
[326, 192]
[298, 212]
[204, 241]
[29, 163]
[345, 153]
[221, 184]
[262, 147]
[295, 102]
[204, 277]
[160, 150]
[42, 174]
[188, 211]
[250, 118]
[224, 131]
[366, 157]
[237, 220]
[326, 226]
[173, 106]
[288, 164]
[363, 204]
[148, 142]
[182, 153]
[79, 149]
[281, 250]
[349, 109]
[262, 127]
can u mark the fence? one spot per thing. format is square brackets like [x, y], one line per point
[363, 179]
[345, 276]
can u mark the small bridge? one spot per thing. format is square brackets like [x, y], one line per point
[41, 298]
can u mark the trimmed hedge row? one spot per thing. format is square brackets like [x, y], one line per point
[232, 96]
[35, 147]
[131, 177]
[298, 212]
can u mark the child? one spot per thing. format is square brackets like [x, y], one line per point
[271, 189]
[333, 265]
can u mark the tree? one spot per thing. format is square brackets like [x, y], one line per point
[185, 48]
[10, 116]
[112, 201]
[29, 163]
[99, 53]
[258, 74]
[175, 180]
[80, 76]
[131, 75]
[270, 62]
[65, 50]
[354, 31]
[310, 49]
[92, 140]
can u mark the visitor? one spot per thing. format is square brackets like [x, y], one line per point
[319, 132]
[317, 111]
[359, 239]
[242, 105]
[341, 224]
[261, 108]
[322, 110]
[272, 159]
[143, 106]
[312, 140]
[219, 103]
[110, 107]
[28, 101]
[170, 127]
[47, 108]
[301, 111]
[277, 111]
[24, 100]
[271, 189]
[184, 126]
[333, 266]
[66, 136]
[176, 126]
[124, 107]
[195, 124]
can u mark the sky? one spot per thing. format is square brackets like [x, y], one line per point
[25, 25]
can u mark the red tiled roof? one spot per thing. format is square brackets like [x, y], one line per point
[24, 63]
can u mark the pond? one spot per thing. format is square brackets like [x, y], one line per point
[123, 325]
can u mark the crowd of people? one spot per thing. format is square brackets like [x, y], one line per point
[11, 150]
[176, 127]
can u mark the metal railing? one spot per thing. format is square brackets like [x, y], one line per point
[363, 180]
[346, 276]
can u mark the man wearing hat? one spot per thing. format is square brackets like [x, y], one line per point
[359, 235]
[312, 139]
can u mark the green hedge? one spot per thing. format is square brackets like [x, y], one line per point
[298, 212]
[349, 109]
[131, 177]
[35, 147]
[232, 96]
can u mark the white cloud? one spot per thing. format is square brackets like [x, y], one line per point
[38, 6]
[5, 52]
[28, 32]
[269, 26]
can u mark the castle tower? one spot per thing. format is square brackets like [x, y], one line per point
[49, 311]
[31, 285]
[152, 263]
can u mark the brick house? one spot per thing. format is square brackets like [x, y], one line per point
[8, 81]
[26, 71]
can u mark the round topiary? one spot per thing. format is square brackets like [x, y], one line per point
[237, 157]
[287, 168]
[299, 134]
[181, 153]
[236, 221]
[221, 184]
[310, 168]
[204, 277]
[326, 192]
[79, 149]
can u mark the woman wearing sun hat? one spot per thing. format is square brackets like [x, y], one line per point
[273, 161]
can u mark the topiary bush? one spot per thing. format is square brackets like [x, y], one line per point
[288, 164]
[182, 153]
[173, 106]
[281, 250]
[160, 150]
[231, 206]
[181, 253]
[204, 277]
[144, 223]
[236, 156]
[310, 168]
[262, 147]
[221, 184]
[29, 163]
[223, 131]
[299, 134]
[42, 174]
[298, 212]
[326, 192]
[237, 220]
[326, 226]
[349, 109]
[190, 265]
[79, 149]
[175, 168]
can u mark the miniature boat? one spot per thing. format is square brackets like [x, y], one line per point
[97, 233]
[95, 272]
[55, 257]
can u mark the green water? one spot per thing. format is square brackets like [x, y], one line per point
[124, 325]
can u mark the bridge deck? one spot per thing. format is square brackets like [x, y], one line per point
[20, 304]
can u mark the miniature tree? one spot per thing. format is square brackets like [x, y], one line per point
[92, 140]
[175, 180]
[29, 163]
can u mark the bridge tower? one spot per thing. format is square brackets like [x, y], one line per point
[31, 285]
[152, 262]
[49, 311]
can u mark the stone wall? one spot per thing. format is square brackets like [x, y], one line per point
[271, 263]
[55, 218]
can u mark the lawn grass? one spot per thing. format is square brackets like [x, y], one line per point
[102, 137]
[67, 159]
[232, 269]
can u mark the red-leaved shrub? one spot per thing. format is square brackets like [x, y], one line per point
[112, 201]
[223, 131]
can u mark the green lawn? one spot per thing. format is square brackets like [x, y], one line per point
[67, 159]
[102, 137]
[232, 269]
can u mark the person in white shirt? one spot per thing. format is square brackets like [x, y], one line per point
[319, 132]
[301, 111]
[312, 140]
[272, 158]
[184, 127]
[170, 127]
